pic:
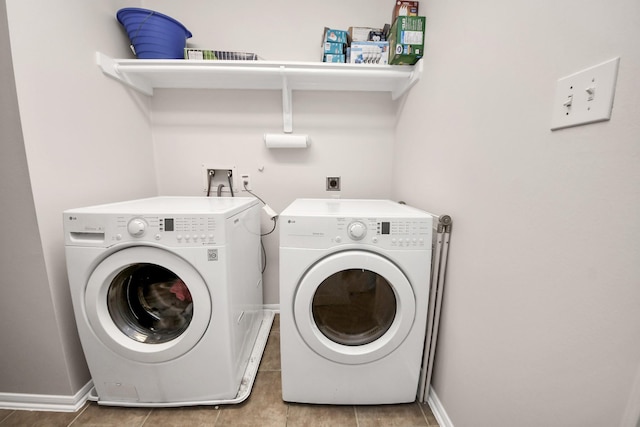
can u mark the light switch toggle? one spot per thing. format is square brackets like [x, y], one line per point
[591, 92]
[569, 101]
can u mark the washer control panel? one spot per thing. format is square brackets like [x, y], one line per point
[179, 230]
[183, 230]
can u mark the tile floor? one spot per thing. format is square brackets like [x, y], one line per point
[264, 408]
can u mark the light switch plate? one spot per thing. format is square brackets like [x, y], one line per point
[586, 96]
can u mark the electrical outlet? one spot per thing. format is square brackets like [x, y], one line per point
[586, 96]
[333, 183]
[245, 182]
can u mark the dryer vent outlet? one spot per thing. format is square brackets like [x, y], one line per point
[333, 183]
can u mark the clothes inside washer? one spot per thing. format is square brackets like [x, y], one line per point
[168, 302]
[149, 303]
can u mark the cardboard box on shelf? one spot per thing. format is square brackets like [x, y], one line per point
[406, 40]
[334, 36]
[365, 34]
[335, 48]
[334, 58]
[378, 36]
[334, 43]
[404, 8]
[369, 53]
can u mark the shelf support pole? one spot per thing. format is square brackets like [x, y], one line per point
[287, 114]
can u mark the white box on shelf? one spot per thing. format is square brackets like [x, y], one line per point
[369, 53]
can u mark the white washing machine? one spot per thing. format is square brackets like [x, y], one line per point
[354, 289]
[167, 294]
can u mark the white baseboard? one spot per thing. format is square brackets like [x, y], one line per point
[46, 402]
[273, 307]
[438, 409]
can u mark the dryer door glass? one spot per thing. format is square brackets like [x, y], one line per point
[354, 307]
[149, 303]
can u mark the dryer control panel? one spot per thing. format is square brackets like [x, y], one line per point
[386, 233]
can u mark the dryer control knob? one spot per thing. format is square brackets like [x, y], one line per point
[137, 227]
[357, 230]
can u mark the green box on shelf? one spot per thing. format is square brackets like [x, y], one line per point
[406, 40]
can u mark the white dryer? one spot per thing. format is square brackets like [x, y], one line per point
[354, 289]
[167, 294]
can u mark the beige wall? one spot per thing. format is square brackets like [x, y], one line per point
[540, 321]
[73, 141]
[32, 350]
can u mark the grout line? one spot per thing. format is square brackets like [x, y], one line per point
[426, 420]
[286, 417]
[7, 417]
[146, 418]
[218, 410]
[85, 408]
[426, 417]
[355, 412]
[86, 405]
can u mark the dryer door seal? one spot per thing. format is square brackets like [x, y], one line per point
[354, 307]
[160, 316]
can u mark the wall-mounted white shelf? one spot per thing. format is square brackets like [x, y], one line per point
[145, 75]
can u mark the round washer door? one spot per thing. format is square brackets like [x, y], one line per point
[147, 304]
[354, 307]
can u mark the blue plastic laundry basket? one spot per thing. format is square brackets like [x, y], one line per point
[153, 34]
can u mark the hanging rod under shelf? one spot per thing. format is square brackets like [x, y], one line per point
[148, 74]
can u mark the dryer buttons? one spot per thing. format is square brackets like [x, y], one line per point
[357, 230]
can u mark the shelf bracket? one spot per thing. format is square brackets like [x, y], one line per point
[413, 79]
[110, 68]
[287, 114]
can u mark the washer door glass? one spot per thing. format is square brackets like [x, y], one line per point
[149, 303]
[354, 307]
